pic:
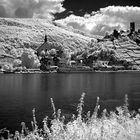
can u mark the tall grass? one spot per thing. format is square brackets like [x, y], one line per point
[115, 125]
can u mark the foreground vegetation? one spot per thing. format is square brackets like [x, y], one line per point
[119, 124]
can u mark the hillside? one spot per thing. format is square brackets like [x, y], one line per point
[126, 49]
[16, 34]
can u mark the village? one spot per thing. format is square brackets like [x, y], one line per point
[117, 51]
[97, 57]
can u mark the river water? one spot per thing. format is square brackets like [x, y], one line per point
[20, 93]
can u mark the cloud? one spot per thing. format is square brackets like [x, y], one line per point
[30, 8]
[106, 19]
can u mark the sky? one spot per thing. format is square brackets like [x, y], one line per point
[91, 16]
[80, 7]
[100, 16]
[30, 8]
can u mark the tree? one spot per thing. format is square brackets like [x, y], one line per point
[17, 63]
[59, 53]
[29, 59]
[42, 53]
[7, 67]
[56, 60]
[52, 52]
[116, 34]
[73, 56]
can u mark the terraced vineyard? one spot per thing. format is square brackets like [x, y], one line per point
[126, 49]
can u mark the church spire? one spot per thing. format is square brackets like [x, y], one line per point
[45, 40]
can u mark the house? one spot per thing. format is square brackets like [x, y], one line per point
[45, 47]
[79, 60]
[72, 63]
[62, 63]
[103, 63]
[100, 63]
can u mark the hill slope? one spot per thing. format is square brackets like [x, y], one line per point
[15, 34]
[126, 49]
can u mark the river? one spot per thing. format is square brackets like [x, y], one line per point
[20, 93]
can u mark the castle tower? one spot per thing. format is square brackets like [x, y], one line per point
[132, 27]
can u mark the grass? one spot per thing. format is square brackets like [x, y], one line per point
[119, 124]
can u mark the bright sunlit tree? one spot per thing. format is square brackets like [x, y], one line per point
[29, 59]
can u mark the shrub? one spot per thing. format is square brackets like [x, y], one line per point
[52, 52]
[2, 39]
[14, 52]
[29, 59]
[135, 67]
[17, 63]
[7, 67]
[42, 53]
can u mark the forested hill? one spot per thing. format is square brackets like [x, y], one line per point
[15, 34]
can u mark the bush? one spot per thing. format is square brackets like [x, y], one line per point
[2, 39]
[14, 52]
[29, 59]
[7, 67]
[17, 63]
[52, 52]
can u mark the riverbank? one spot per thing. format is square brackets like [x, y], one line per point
[72, 69]
[49, 72]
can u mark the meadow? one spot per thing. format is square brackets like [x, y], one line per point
[114, 125]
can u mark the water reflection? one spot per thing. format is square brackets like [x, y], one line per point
[22, 92]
